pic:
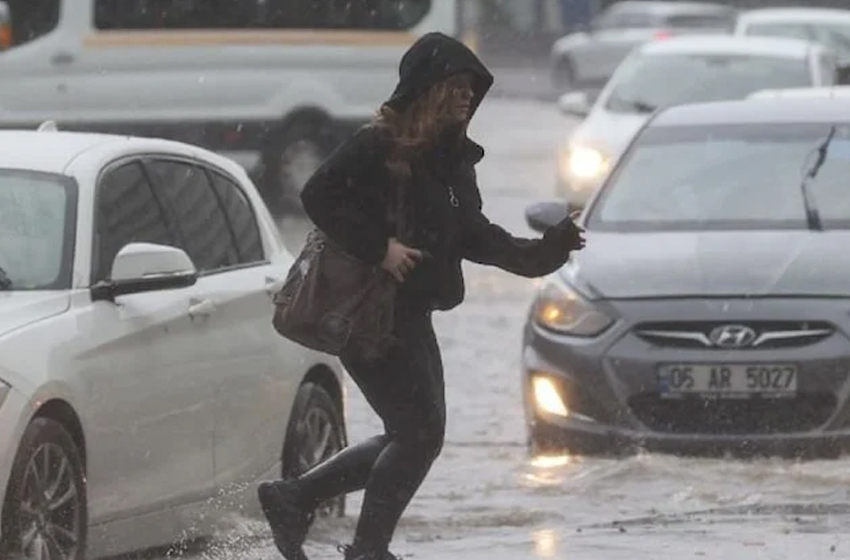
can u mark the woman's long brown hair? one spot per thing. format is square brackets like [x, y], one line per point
[416, 128]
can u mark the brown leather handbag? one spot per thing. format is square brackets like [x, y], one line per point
[335, 303]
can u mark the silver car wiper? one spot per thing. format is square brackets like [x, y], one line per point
[812, 215]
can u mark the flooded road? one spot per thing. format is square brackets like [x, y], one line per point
[486, 499]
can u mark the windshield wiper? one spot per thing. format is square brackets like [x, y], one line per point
[636, 104]
[5, 281]
[812, 214]
[642, 106]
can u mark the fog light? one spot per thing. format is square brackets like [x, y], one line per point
[551, 461]
[547, 397]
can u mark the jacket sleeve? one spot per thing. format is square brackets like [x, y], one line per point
[490, 244]
[340, 197]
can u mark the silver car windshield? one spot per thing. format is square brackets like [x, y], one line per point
[728, 177]
[37, 215]
[650, 82]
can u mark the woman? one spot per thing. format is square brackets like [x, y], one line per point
[417, 148]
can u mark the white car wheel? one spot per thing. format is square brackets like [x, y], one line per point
[316, 432]
[45, 514]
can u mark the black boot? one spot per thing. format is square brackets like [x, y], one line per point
[357, 553]
[288, 517]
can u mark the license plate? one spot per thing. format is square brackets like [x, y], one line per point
[727, 380]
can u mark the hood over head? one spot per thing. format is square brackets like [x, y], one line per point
[431, 59]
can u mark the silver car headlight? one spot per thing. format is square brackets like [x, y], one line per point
[561, 309]
[583, 162]
[4, 390]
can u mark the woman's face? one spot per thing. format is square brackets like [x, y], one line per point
[460, 94]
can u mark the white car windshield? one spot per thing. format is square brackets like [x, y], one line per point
[649, 82]
[36, 230]
[744, 176]
[833, 35]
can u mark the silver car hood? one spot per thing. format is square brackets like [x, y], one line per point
[681, 264]
[19, 309]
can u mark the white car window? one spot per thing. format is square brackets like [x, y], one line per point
[240, 215]
[127, 212]
[36, 231]
[32, 19]
[700, 21]
[204, 230]
[792, 30]
[836, 36]
[298, 14]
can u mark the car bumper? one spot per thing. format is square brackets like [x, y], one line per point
[609, 387]
[602, 439]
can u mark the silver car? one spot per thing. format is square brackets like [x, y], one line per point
[672, 72]
[709, 311]
[587, 59]
[828, 26]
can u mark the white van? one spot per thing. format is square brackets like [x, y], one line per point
[275, 84]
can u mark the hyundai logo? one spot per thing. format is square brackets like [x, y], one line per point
[732, 336]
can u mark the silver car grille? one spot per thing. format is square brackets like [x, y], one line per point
[732, 335]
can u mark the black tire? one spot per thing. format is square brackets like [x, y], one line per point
[46, 444]
[291, 155]
[313, 407]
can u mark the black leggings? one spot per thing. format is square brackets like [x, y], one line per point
[407, 391]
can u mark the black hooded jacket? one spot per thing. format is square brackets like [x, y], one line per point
[351, 196]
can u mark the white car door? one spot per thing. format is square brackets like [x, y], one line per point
[149, 396]
[252, 389]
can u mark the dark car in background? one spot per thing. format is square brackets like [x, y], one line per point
[710, 311]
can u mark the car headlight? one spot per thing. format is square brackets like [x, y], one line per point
[559, 308]
[4, 390]
[583, 162]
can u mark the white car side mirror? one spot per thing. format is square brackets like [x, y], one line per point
[575, 103]
[146, 267]
[139, 260]
[543, 215]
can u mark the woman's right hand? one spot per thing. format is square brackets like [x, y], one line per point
[571, 234]
[400, 259]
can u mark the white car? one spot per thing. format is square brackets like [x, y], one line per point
[829, 26]
[583, 59]
[143, 388]
[671, 72]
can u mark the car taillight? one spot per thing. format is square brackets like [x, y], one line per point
[661, 35]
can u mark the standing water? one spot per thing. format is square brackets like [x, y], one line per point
[486, 498]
